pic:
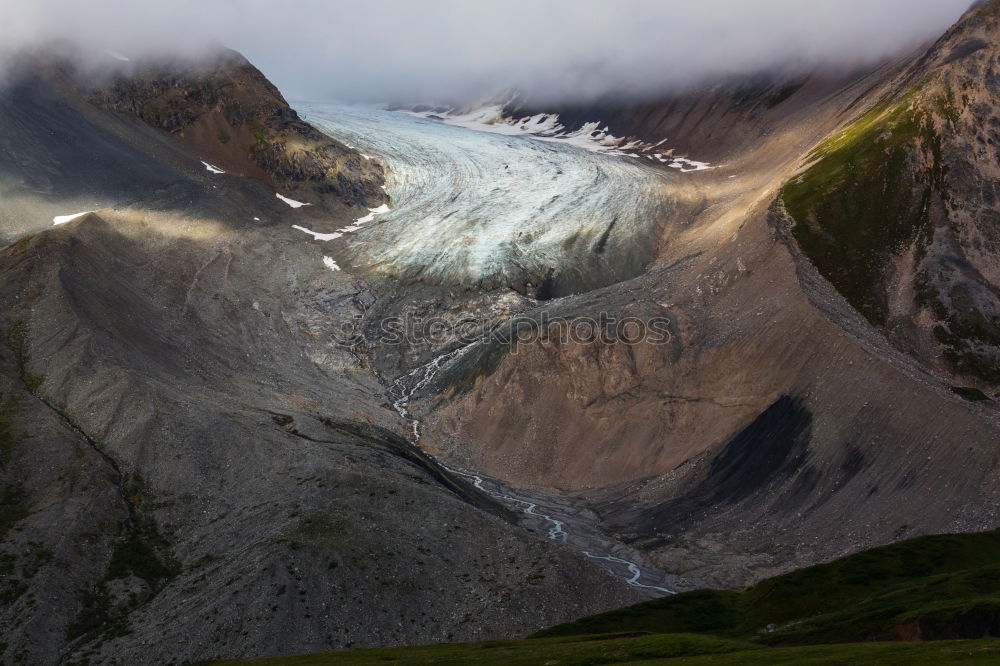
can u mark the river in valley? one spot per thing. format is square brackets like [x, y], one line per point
[483, 209]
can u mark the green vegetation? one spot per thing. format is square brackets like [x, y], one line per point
[990, 8]
[13, 499]
[937, 587]
[867, 194]
[13, 507]
[878, 188]
[326, 529]
[610, 649]
[879, 191]
[8, 437]
[142, 552]
[861, 597]
[971, 393]
[18, 342]
[16, 569]
[261, 145]
[660, 649]
[702, 611]
[11, 586]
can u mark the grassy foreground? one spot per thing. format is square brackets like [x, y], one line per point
[859, 609]
[930, 588]
[664, 648]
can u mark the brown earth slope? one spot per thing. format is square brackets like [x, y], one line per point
[899, 209]
[227, 112]
[192, 467]
[778, 427]
[78, 139]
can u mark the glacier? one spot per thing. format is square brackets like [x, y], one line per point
[486, 210]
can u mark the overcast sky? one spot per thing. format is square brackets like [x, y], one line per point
[425, 50]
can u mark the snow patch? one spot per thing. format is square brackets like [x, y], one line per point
[354, 226]
[63, 219]
[117, 56]
[213, 168]
[372, 212]
[317, 235]
[331, 264]
[292, 202]
[547, 127]
[680, 162]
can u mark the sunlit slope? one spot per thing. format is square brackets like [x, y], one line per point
[898, 209]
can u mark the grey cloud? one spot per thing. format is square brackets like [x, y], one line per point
[400, 50]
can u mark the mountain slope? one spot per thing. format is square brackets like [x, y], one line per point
[227, 112]
[82, 141]
[180, 411]
[930, 588]
[686, 650]
[191, 465]
[777, 427]
[937, 588]
[899, 209]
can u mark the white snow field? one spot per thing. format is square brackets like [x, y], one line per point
[292, 202]
[63, 219]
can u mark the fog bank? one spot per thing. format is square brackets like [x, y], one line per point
[405, 51]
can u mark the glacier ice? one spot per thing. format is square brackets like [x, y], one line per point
[486, 209]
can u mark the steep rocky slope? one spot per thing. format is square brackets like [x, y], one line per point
[191, 466]
[778, 427]
[923, 591]
[195, 465]
[80, 140]
[227, 112]
[899, 208]
[711, 122]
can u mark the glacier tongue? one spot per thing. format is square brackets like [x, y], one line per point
[487, 209]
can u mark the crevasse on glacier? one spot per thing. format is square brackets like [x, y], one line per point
[483, 209]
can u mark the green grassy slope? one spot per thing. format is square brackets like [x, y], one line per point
[660, 649]
[935, 587]
[874, 594]
[867, 194]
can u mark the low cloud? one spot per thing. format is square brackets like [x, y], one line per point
[428, 50]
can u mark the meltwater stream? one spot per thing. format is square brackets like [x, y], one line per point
[561, 520]
[475, 208]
